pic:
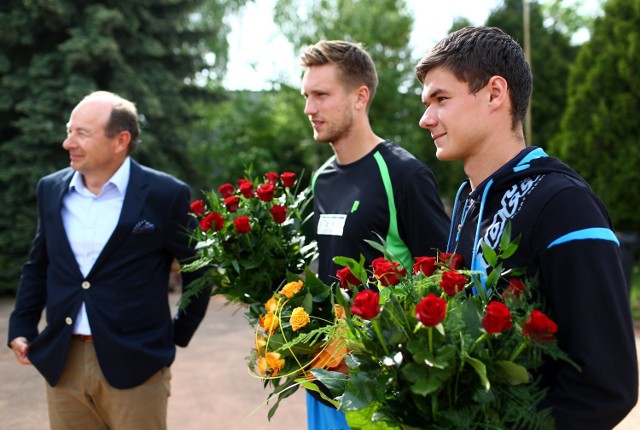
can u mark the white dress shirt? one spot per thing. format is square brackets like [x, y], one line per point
[89, 221]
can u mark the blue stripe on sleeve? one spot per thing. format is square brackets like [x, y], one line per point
[588, 233]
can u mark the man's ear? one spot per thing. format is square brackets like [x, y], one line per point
[498, 91]
[362, 96]
[123, 139]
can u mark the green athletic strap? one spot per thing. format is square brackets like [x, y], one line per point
[394, 243]
[319, 171]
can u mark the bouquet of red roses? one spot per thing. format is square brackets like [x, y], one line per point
[428, 352]
[250, 234]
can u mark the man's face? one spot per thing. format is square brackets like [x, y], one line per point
[91, 152]
[329, 106]
[457, 119]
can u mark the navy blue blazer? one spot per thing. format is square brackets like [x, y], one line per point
[126, 291]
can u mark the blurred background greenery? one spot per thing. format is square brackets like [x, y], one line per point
[170, 57]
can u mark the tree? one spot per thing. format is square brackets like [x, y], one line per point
[54, 52]
[599, 131]
[266, 130]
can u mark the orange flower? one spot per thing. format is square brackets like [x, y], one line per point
[270, 323]
[291, 288]
[270, 364]
[261, 343]
[332, 355]
[339, 312]
[271, 305]
[299, 318]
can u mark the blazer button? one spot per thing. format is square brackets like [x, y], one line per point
[68, 320]
[86, 285]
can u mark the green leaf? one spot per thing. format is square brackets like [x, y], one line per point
[334, 381]
[424, 387]
[310, 386]
[362, 390]
[489, 254]
[362, 419]
[514, 373]
[480, 369]
[505, 240]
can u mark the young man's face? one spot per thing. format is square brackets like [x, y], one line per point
[329, 106]
[457, 119]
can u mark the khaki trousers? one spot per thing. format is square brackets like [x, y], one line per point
[84, 400]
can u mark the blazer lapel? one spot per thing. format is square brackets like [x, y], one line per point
[137, 191]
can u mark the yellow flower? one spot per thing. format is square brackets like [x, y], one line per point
[291, 288]
[271, 305]
[299, 318]
[270, 323]
[270, 364]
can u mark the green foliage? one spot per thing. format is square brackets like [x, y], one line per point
[54, 52]
[599, 130]
[551, 57]
[266, 129]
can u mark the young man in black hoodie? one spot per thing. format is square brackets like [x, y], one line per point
[477, 86]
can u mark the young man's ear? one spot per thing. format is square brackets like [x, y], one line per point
[498, 90]
[362, 94]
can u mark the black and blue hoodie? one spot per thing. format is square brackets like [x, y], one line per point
[568, 242]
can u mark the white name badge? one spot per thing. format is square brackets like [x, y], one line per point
[331, 224]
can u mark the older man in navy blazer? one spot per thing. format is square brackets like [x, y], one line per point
[108, 231]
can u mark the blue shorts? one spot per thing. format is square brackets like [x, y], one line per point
[323, 417]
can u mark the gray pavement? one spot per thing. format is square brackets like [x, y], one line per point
[211, 387]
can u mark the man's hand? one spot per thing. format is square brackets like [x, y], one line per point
[20, 347]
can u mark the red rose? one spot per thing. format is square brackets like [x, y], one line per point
[197, 207]
[214, 219]
[431, 310]
[452, 282]
[347, 278]
[246, 188]
[387, 272]
[288, 179]
[242, 224]
[272, 177]
[366, 304]
[226, 190]
[279, 213]
[452, 261]
[265, 192]
[426, 265]
[232, 203]
[516, 288]
[539, 327]
[497, 318]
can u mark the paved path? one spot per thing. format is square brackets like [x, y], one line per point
[211, 387]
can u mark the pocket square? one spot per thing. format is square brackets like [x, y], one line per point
[143, 227]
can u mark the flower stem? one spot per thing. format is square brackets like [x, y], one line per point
[518, 351]
[376, 328]
[430, 332]
[478, 340]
